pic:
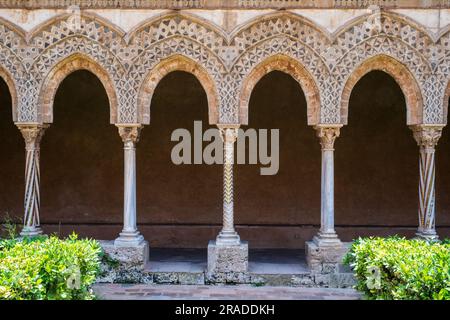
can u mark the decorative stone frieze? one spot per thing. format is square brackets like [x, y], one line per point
[326, 64]
[220, 4]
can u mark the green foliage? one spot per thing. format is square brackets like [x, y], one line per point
[48, 268]
[107, 260]
[9, 227]
[397, 268]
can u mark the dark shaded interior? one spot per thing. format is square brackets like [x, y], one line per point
[376, 167]
[376, 172]
[292, 196]
[169, 193]
[12, 161]
[443, 180]
[81, 156]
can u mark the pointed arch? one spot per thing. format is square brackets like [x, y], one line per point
[166, 66]
[60, 71]
[400, 73]
[291, 67]
[12, 90]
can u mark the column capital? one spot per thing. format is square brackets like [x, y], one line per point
[129, 132]
[427, 136]
[327, 135]
[32, 134]
[228, 132]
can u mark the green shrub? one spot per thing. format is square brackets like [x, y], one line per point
[48, 268]
[396, 268]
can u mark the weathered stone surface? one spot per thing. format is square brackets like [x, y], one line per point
[191, 278]
[304, 280]
[166, 278]
[342, 280]
[226, 259]
[136, 257]
[227, 278]
[322, 280]
[124, 264]
[325, 259]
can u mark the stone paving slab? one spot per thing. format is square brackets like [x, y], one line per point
[203, 292]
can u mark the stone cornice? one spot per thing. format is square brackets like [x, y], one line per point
[222, 4]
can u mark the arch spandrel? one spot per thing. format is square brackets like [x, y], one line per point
[400, 73]
[64, 68]
[171, 64]
[291, 67]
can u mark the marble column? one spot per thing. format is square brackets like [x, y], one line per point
[325, 252]
[327, 136]
[129, 236]
[427, 137]
[32, 134]
[228, 254]
[228, 235]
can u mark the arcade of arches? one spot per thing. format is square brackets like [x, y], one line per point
[364, 148]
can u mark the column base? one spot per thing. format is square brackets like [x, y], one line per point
[31, 231]
[123, 264]
[224, 258]
[428, 235]
[324, 255]
[327, 239]
[129, 239]
[228, 238]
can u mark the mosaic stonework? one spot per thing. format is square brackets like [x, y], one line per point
[34, 62]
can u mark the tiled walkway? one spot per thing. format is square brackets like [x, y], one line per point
[241, 292]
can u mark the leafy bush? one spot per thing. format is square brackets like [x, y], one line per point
[396, 268]
[48, 268]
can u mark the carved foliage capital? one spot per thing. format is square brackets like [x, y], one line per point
[327, 136]
[427, 137]
[229, 134]
[130, 134]
[32, 134]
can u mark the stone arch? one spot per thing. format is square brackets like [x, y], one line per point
[12, 90]
[291, 67]
[166, 66]
[61, 71]
[400, 73]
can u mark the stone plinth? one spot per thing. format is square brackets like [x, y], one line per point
[227, 263]
[123, 264]
[133, 256]
[325, 258]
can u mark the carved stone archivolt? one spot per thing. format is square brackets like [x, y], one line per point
[225, 62]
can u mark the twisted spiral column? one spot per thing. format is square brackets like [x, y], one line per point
[427, 137]
[327, 135]
[32, 134]
[228, 235]
[129, 236]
